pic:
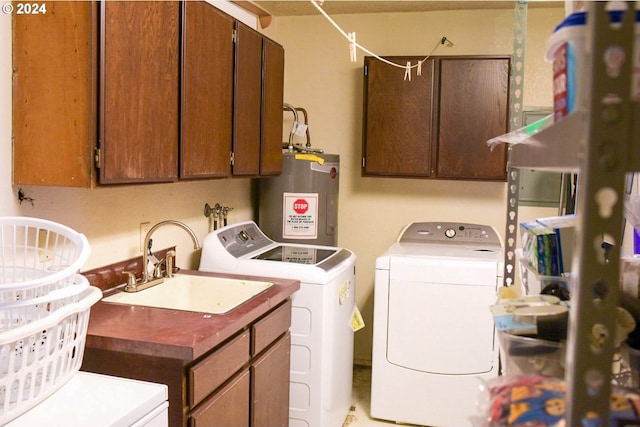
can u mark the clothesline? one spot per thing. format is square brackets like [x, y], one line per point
[353, 45]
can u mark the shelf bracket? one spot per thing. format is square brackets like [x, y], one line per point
[604, 147]
[516, 89]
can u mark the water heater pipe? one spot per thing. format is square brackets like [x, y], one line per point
[295, 118]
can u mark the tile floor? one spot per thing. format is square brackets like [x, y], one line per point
[359, 416]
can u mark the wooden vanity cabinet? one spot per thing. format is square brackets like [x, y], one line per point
[260, 355]
[243, 382]
[228, 407]
[270, 385]
[257, 396]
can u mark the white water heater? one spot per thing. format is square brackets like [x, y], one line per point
[301, 205]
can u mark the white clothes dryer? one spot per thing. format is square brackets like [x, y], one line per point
[433, 334]
[321, 320]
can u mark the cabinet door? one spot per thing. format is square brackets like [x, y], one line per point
[473, 108]
[207, 92]
[228, 407]
[54, 95]
[272, 102]
[397, 122]
[139, 85]
[270, 385]
[248, 95]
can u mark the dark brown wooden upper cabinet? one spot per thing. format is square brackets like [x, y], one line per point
[207, 92]
[398, 119]
[55, 95]
[144, 93]
[436, 124]
[258, 95]
[247, 104]
[473, 107]
[140, 64]
[272, 102]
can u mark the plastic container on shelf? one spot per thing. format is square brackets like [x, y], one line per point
[632, 215]
[38, 256]
[528, 356]
[632, 358]
[565, 48]
[533, 283]
[36, 359]
[630, 275]
[532, 356]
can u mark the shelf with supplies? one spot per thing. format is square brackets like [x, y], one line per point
[557, 147]
[596, 141]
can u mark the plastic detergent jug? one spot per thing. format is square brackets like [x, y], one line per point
[565, 49]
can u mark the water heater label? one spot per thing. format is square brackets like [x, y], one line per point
[300, 219]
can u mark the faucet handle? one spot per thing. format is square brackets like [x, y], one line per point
[169, 257]
[157, 270]
[131, 280]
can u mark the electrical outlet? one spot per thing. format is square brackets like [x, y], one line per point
[144, 229]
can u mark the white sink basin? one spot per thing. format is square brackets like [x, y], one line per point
[203, 294]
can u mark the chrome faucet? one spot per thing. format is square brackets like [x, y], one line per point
[145, 254]
[146, 281]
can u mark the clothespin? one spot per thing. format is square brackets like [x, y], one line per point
[419, 68]
[352, 46]
[407, 71]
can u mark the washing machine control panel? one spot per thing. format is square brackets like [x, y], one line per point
[449, 232]
[242, 239]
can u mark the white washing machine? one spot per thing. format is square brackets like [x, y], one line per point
[321, 324]
[433, 334]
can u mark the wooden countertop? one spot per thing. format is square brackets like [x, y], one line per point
[178, 334]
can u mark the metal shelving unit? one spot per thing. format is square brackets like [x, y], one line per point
[597, 140]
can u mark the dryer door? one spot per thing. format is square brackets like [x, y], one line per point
[437, 326]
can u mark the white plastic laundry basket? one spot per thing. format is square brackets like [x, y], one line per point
[38, 358]
[14, 314]
[38, 256]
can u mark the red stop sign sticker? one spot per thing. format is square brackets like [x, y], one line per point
[300, 206]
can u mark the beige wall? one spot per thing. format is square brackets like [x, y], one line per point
[8, 201]
[320, 77]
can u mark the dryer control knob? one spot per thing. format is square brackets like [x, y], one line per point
[450, 233]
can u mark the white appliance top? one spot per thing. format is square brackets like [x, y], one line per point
[445, 240]
[243, 248]
[89, 399]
